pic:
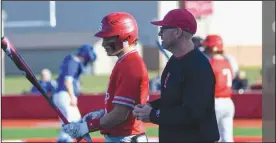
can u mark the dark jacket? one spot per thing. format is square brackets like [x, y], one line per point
[187, 111]
[239, 84]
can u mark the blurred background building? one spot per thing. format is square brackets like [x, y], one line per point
[45, 31]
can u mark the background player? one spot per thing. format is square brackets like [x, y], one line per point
[233, 62]
[224, 105]
[128, 85]
[46, 82]
[68, 85]
[198, 44]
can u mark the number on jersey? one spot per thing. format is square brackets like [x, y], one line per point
[228, 74]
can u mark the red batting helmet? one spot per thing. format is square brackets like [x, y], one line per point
[214, 42]
[119, 24]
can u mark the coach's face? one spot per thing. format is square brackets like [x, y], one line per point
[168, 36]
[109, 45]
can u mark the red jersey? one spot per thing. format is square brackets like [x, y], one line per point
[128, 86]
[224, 77]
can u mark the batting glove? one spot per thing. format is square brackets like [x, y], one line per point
[89, 123]
[76, 130]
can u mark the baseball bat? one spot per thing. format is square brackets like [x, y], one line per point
[160, 47]
[27, 72]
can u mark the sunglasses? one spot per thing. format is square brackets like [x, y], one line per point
[167, 27]
[171, 27]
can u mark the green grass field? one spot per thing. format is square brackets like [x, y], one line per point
[23, 133]
[95, 84]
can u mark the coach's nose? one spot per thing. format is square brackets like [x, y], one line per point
[160, 33]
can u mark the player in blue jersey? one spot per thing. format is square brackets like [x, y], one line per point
[46, 82]
[68, 85]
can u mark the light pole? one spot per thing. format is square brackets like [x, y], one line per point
[2, 67]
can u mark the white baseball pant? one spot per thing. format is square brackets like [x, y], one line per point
[72, 114]
[225, 110]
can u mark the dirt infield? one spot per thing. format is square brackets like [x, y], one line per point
[54, 140]
[55, 123]
[39, 123]
[151, 139]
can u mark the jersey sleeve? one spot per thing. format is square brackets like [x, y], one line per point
[128, 88]
[69, 69]
[233, 64]
[232, 71]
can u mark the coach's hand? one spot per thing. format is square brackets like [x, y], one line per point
[142, 112]
[76, 130]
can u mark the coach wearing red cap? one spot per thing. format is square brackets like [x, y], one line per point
[185, 112]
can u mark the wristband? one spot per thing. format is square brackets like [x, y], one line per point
[94, 124]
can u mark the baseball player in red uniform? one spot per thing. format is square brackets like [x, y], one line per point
[128, 85]
[224, 105]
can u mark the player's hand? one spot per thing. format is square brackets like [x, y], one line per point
[74, 101]
[134, 112]
[148, 104]
[138, 106]
[76, 130]
[142, 105]
[142, 112]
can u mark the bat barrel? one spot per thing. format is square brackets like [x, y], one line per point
[27, 72]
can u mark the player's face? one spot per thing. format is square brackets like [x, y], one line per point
[45, 76]
[109, 45]
[167, 36]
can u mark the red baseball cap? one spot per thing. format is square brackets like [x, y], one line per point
[181, 18]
